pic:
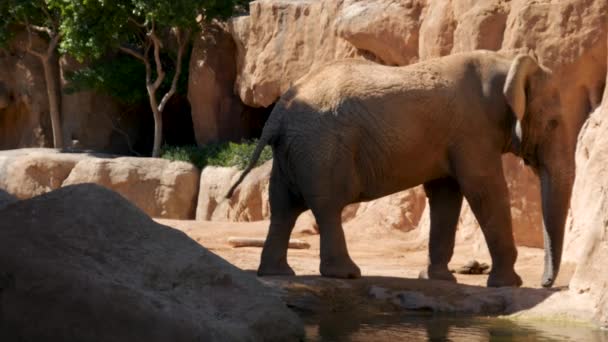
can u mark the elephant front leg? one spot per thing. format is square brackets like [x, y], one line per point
[445, 201]
[486, 191]
[335, 260]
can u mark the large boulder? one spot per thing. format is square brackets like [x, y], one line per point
[587, 235]
[27, 173]
[160, 187]
[83, 264]
[248, 203]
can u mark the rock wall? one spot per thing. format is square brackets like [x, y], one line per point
[24, 118]
[249, 202]
[159, 187]
[587, 234]
[216, 111]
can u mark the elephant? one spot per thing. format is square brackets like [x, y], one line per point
[354, 130]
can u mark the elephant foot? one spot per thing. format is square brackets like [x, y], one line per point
[437, 273]
[501, 279]
[282, 269]
[346, 269]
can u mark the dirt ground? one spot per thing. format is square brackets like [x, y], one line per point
[390, 262]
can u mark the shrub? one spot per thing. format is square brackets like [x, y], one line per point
[218, 154]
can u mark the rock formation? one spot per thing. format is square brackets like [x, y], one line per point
[83, 264]
[159, 187]
[216, 110]
[32, 172]
[249, 202]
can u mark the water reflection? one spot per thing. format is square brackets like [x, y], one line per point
[432, 327]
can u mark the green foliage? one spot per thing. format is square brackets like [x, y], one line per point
[122, 77]
[5, 23]
[21, 12]
[92, 27]
[220, 154]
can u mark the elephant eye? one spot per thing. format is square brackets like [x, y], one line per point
[552, 124]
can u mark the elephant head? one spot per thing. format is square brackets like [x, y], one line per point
[542, 138]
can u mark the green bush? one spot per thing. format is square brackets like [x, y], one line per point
[220, 154]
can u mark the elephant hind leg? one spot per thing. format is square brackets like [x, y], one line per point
[285, 207]
[335, 260]
[445, 201]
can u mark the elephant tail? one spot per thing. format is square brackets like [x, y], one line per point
[269, 132]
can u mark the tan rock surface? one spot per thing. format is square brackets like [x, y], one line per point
[570, 38]
[249, 202]
[279, 42]
[216, 110]
[83, 264]
[24, 120]
[26, 173]
[387, 28]
[95, 121]
[159, 187]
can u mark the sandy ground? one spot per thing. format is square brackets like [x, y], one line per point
[390, 263]
[387, 254]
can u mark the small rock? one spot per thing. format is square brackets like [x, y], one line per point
[473, 267]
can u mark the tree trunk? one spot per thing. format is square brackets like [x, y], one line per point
[158, 121]
[158, 133]
[52, 91]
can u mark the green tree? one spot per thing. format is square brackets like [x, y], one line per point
[141, 29]
[37, 18]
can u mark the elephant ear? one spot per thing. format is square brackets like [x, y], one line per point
[522, 67]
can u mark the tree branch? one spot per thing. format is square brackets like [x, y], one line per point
[160, 73]
[132, 52]
[29, 47]
[53, 44]
[147, 64]
[123, 133]
[42, 29]
[182, 42]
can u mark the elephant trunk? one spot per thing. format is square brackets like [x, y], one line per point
[556, 189]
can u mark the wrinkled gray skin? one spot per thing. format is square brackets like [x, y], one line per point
[355, 131]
